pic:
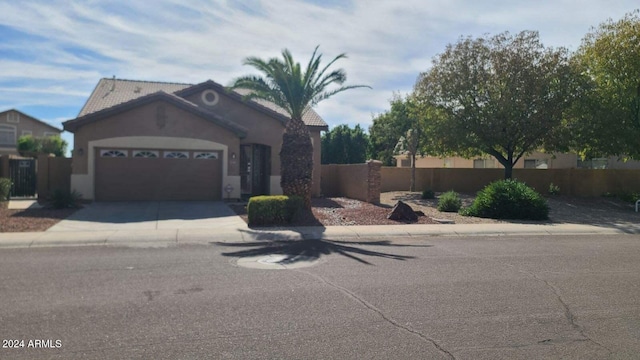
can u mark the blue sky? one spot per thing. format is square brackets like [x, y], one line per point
[52, 53]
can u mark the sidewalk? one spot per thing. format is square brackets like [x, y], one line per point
[171, 237]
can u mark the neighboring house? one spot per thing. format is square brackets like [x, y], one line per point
[535, 160]
[140, 140]
[14, 123]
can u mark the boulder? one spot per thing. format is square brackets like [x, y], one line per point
[402, 212]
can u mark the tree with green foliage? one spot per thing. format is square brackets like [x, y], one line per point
[30, 145]
[295, 89]
[607, 117]
[503, 95]
[388, 128]
[343, 145]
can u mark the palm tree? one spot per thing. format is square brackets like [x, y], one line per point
[286, 84]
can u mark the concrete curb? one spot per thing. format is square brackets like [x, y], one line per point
[174, 237]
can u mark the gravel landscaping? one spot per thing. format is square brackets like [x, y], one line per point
[344, 211]
[30, 219]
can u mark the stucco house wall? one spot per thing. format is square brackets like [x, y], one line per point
[19, 124]
[142, 115]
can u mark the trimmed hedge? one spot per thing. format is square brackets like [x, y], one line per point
[509, 199]
[273, 209]
[5, 188]
[449, 202]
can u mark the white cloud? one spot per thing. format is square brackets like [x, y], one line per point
[56, 51]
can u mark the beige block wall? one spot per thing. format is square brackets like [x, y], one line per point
[350, 180]
[54, 173]
[572, 182]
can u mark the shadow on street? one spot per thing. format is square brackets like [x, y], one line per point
[299, 250]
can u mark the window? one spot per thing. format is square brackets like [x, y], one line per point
[145, 154]
[13, 117]
[46, 133]
[536, 164]
[483, 164]
[405, 162]
[597, 163]
[205, 155]
[176, 155]
[7, 135]
[27, 132]
[113, 153]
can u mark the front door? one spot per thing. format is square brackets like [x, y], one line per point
[255, 169]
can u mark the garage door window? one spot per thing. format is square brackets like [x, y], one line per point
[205, 155]
[176, 155]
[113, 153]
[145, 154]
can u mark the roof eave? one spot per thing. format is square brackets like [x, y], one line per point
[73, 124]
[234, 95]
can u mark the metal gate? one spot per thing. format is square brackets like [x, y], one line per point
[22, 173]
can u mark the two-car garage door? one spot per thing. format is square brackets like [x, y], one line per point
[127, 174]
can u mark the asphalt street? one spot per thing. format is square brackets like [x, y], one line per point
[524, 297]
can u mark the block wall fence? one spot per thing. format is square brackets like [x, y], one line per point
[359, 181]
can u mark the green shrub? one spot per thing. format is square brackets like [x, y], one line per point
[509, 199]
[5, 188]
[449, 202]
[630, 197]
[554, 189]
[273, 210]
[61, 199]
[428, 194]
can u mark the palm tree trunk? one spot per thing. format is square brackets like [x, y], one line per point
[296, 161]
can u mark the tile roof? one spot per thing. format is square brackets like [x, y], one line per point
[241, 131]
[111, 92]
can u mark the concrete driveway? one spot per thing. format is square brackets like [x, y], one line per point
[151, 215]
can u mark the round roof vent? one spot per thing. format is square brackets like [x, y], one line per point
[210, 97]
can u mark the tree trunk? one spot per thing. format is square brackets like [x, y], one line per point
[296, 161]
[412, 187]
[508, 170]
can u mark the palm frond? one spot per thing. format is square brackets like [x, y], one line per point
[286, 84]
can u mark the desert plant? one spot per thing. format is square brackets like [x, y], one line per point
[62, 199]
[449, 202]
[5, 188]
[273, 210]
[508, 199]
[428, 194]
[554, 189]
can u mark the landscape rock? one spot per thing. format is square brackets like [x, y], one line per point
[402, 212]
